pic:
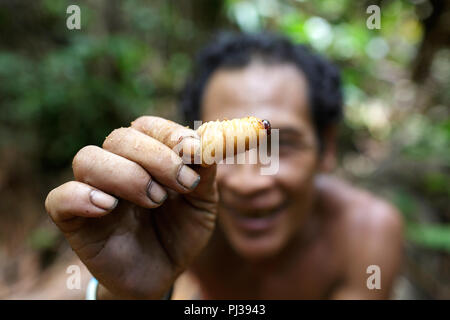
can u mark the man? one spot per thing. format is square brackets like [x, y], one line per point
[138, 217]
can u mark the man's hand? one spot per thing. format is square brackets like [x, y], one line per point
[136, 215]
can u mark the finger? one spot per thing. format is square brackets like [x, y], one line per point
[206, 190]
[175, 136]
[184, 141]
[211, 143]
[118, 176]
[158, 159]
[77, 199]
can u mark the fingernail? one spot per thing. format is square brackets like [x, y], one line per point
[102, 200]
[188, 177]
[156, 193]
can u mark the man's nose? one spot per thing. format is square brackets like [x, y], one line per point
[246, 180]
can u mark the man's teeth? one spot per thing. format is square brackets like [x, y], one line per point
[260, 213]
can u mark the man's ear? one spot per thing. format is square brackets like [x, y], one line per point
[328, 156]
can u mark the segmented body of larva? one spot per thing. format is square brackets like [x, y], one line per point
[230, 137]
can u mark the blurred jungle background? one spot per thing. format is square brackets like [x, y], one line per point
[63, 89]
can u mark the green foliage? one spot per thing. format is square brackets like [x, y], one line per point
[73, 95]
[43, 238]
[75, 91]
[406, 203]
[428, 140]
[61, 90]
[430, 236]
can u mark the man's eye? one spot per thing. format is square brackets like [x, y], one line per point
[286, 146]
[289, 144]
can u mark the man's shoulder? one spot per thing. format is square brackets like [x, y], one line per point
[358, 210]
[370, 232]
[364, 224]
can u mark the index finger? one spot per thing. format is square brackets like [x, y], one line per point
[188, 143]
[184, 141]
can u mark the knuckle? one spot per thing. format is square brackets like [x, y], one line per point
[116, 136]
[72, 193]
[48, 202]
[83, 156]
[68, 190]
[70, 186]
[59, 195]
[141, 120]
[138, 173]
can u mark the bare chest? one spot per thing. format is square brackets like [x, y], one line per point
[312, 274]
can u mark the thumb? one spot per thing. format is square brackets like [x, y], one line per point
[207, 188]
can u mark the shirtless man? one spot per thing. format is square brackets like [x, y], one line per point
[138, 218]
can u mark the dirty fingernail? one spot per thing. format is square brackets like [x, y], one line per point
[102, 200]
[156, 193]
[187, 177]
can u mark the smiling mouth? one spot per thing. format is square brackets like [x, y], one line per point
[256, 214]
[257, 222]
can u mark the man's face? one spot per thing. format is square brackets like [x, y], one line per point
[259, 214]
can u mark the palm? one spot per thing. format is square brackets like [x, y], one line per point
[143, 249]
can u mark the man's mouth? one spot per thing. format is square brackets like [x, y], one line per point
[259, 213]
[256, 219]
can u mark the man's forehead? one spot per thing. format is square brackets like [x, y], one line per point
[264, 82]
[274, 92]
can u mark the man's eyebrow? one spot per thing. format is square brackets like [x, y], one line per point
[291, 131]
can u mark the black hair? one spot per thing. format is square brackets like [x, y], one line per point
[229, 50]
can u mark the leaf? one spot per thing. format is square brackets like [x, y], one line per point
[435, 237]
